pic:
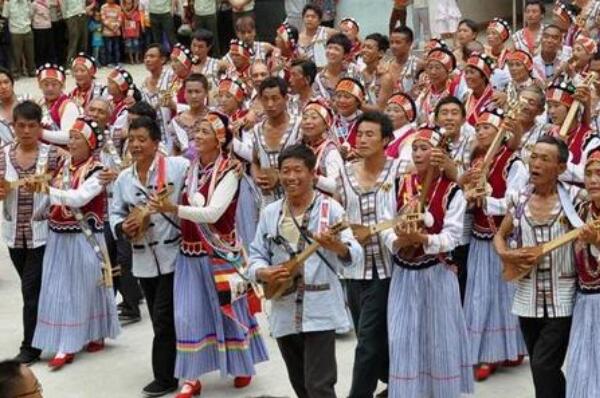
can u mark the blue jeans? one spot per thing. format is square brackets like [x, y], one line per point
[113, 52]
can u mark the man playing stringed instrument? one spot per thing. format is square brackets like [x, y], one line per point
[367, 188]
[493, 330]
[270, 137]
[155, 238]
[424, 309]
[539, 213]
[24, 216]
[304, 319]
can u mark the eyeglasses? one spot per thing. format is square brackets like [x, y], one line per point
[38, 390]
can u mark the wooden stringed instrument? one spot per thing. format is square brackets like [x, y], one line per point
[588, 81]
[142, 213]
[515, 271]
[34, 179]
[411, 219]
[275, 290]
[481, 188]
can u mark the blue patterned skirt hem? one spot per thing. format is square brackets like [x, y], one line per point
[583, 363]
[207, 339]
[74, 308]
[429, 352]
[494, 332]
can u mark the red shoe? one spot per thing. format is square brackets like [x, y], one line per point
[483, 371]
[190, 389]
[515, 363]
[95, 346]
[58, 362]
[242, 381]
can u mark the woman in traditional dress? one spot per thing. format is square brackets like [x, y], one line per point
[77, 305]
[401, 109]
[478, 74]
[584, 342]
[497, 34]
[439, 65]
[348, 100]
[429, 347]
[317, 119]
[493, 330]
[86, 88]
[213, 333]
[286, 41]
[183, 127]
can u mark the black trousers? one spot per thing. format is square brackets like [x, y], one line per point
[547, 340]
[460, 256]
[120, 256]
[44, 47]
[160, 23]
[367, 300]
[28, 263]
[159, 296]
[310, 362]
[59, 39]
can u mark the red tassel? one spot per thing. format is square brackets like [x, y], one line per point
[254, 303]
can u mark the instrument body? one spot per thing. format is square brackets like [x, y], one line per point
[142, 213]
[277, 289]
[34, 179]
[514, 271]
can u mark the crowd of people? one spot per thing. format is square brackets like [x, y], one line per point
[441, 204]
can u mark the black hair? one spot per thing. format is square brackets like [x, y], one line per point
[406, 31]
[450, 100]
[144, 122]
[313, 7]
[197, 77]
[142, 108]
[562, 148]
[10, 374]
[27, 110]
[301, 152]
[342, 40]
[161, 50]
[380, 118]
[552, 26]
[472, 25]
[274, 82]
[538, 3]
[244, 23]
[383, 43]
[309, 69]
[7, 73]
[204, 35]
[596, 56]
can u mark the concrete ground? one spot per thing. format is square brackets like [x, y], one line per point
[123, 368]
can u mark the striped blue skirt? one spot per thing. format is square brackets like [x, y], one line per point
[207, 340]
[583, 362]
[429, 353]
[74, 308]
[494, 332]
[247, 211]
